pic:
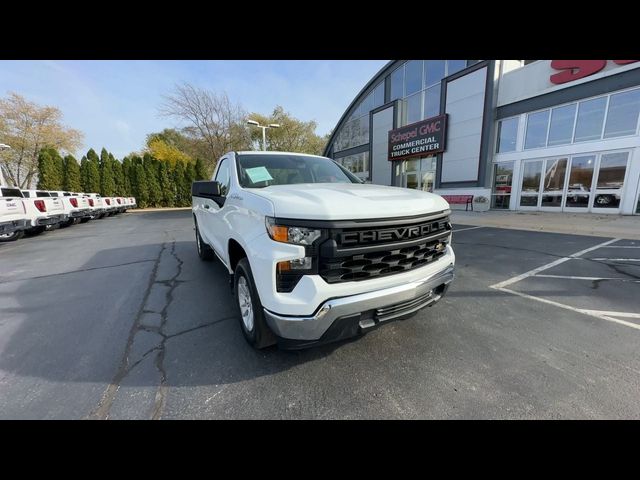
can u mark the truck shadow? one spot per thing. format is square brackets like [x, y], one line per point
[74, 326]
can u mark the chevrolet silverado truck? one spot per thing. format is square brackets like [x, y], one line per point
[315, 255]
[96, 204]
[75, 207]
[13, 215]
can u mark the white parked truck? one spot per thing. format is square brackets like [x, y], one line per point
[76, 207]
[42, 210]
[97, 205]
[314, 254]
[13, 214]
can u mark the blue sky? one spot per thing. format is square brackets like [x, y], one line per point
[115, 103]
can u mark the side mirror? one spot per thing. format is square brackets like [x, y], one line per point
[205, 189]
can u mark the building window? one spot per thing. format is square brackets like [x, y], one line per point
[397, 83]
[357, 164]
[432, 101]
[434, 72]
[561, 128]
[590, 118]
[378, 95]
[502, 180]
[622, 117]
[454, 66]
[413, 108]
[412, 77]
[536, 136]
[507, 135]
[532, 172]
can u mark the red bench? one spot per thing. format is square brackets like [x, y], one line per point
[465, 200]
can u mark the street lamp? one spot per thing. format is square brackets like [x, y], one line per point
[264, 130]
[4, 146]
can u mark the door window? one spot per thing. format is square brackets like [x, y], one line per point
[613, 167]
[580, 180]
[502, 176]
[222, 177]
[554, 179]
[531, 174]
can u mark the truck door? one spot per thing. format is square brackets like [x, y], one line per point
[213, 222]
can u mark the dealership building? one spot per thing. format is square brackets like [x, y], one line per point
[546, 135]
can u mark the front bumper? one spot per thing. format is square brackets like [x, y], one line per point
[10, 227]
[344, 317]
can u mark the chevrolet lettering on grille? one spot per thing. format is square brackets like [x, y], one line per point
[391, 234]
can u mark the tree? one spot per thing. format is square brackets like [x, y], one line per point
[72, 180]
[201, 171]
[167, 186]
[139, 187]
[151, 172]
[107, 182]
[178, 180]
[93, 172]
[127, 175]
[189, 178]
[28, 127]
[293, 135]
[84, 174]
[118, 176]
[166, 152]
[49, 173]
[212, 120]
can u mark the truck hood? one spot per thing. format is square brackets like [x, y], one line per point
[348, 201]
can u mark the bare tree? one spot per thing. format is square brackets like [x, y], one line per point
[27, 128]
[211, 118]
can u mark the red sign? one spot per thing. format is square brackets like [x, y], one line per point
[571, 70]
[421, 138]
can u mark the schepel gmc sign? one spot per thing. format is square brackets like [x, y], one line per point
[571, 70]
[418, 139]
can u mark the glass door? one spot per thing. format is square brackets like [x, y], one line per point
[609, 190]
[553, 186]
[531, 179]
[580, 184]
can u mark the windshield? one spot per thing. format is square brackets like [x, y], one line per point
[259, 171]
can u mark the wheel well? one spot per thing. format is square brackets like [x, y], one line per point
[236, 253]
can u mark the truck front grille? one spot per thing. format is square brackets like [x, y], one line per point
[362, 260]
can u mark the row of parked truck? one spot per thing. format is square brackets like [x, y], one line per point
[31, 212]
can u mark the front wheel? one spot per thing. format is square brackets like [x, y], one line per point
[254, 328]
[11, 237]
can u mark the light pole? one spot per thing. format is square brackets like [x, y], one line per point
[264, 131]
[4, 146]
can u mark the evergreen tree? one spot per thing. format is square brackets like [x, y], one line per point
[178, 181]
[49, 177]
[107, 183]
[84, 178]
[118, 177]
[59, 163]
[127, 174]
[151, 171]
[139, 186]
[201, 170]
[72, 181]
[93, 172]
[167, 186]
[189, 178]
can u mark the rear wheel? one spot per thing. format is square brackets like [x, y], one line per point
[66, 223]
[205, 252]
[11, 237]
[252, 322]
[85, 219]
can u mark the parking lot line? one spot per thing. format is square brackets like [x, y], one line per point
[570, 277]
[468, 228]
[591, 313]
[615, 314]
[615, 259]
[623, 246]
[559, 261]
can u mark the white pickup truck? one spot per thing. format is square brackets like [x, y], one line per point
[76, 207]
[42, 210]
[13, 215]
[97, 204]
[314, 254]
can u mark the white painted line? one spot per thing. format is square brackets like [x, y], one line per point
[615, 314]
[591, 313]
[570, 277]
[468, 228]
[614, 259]
[550, 265]
[622, 246]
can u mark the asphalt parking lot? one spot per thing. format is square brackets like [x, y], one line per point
[118, 318]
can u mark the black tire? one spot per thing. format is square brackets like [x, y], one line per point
[34, 231]
[260, 335]
[12, 237]
[66, 223]
[85, 219]
[205, 252]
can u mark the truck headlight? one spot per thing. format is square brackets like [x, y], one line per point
[289, 234]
